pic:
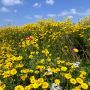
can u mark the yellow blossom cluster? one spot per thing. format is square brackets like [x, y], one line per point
[45, 55]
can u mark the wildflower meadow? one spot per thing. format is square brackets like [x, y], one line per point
[46, 55]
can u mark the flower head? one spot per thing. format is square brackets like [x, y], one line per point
[45, 85]
[73, 81]
[57, 81]
[84, 86]
[19, 87]
[75, 50]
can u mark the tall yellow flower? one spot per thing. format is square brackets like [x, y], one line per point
[29, 87]
[1, 88]
[23, 77]
[32, 79]
[84, 86]
[35, 85]
[68, 76]
[83, 72]
[63, 68]
[73, 81]
[19, 87]
[79, 80]
[40, 80]
[13, 71]
[45, 85]
[57, 81]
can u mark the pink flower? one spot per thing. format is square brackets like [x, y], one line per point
[29, 38]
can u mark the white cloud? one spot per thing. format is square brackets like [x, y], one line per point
[11, 2]
[73, 11]
[4, 9]
[70, 17]
[8, 20]
[38, 16]
[85, 13]
[50, 2]
[28, 17]
[36, 5]
[51, 15]
[68, 12]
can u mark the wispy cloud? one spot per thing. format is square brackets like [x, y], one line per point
[75, 12]
[50, 2]
[38, 16]
[51, 15]
[11, 2]
[8, 20]
[70, 16]
[68, 12]
[4, 9]
[36, 5]
[84, 13]
[28, 17]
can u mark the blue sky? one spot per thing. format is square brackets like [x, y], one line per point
[19, 12]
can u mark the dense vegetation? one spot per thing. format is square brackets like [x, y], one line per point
[45, 55]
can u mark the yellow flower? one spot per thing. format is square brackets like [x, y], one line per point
[49, 59]
[79, 80]
[81, 76]
[63, 68]
[30, 56]
[37, 52]
[23, 77]
[76, 88]
[19, 65]
[32, 53]
[84, 86]
[75, 50]
[83, 72]
[31, 71]
[29, 87]
[68, 76]
[57, 81]
[25, 71]
[36, 72]
[42, 61]
[73, 81]
[6, 74]
[45, 85]
[19, 58]
[62, 61]
[35, 85]
[1, 88]
[19, 87]
[58, 61]
[2, 85]
[57, 69]
[41, 80]
[68, 63]
[27, 42]
[46, 52]
[32, 79]
[13, 71]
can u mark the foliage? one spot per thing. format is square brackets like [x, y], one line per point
[44, 55]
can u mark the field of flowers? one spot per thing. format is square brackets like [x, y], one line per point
[46, 55]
